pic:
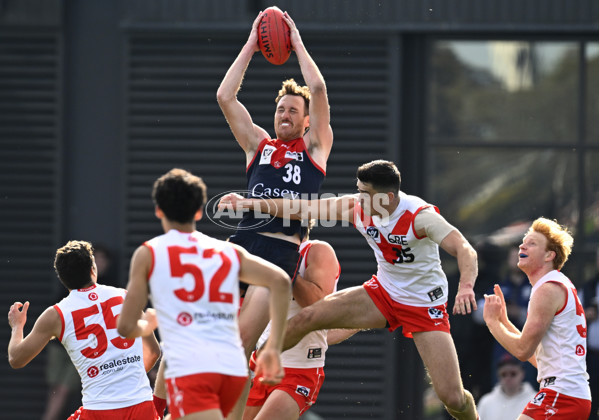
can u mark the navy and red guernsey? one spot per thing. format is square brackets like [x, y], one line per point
[280, 169]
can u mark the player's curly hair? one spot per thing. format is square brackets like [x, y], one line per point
[559, 239]
[73, 264]
[290, 87]
[179, 194]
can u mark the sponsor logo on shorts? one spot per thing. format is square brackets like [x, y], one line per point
[372, 283]
[302, 390]
[435, 313]
[374, 234]
[93, 296]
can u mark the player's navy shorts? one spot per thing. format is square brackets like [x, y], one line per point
[280, 252]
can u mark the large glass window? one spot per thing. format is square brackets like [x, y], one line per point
[506, 140]
[484, 190]
[591, 214]
[503, 91]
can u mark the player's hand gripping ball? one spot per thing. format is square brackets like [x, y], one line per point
[273, 36]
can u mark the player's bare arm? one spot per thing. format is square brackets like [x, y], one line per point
[456, 245]
[21, 350]
[320, 136]
[130, 324]
[247, 134]
[151, 347]
[320, 275]
[336, 208]
[544, 304]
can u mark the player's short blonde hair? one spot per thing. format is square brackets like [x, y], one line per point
[290, 87]
[559, 239]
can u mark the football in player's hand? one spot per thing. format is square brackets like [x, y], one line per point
[273, 36]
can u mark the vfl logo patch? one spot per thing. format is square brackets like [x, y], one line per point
[374, 234]
[538, 399]
[266, 155]
[435, 313]
[302, 390]
[299, 156]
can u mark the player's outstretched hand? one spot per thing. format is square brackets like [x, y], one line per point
[17, 317]
[495, 307]
[229, 201]
[465, 301]
[269, 369]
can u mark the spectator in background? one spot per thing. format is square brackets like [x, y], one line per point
[64, 383]
[590, 301]
[511, 394]
[106, 266]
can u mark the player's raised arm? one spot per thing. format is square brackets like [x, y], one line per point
[130, 324]
[21, 350]
[320, 136]
[247, 134]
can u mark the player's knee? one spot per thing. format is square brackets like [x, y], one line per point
[248, 340]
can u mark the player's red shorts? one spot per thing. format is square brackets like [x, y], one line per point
[303, 385]
[144, 410]
[551, 405]
[410, 318]
[203, 391]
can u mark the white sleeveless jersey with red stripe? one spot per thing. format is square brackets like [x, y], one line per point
[409, 267]
[194, 287]
[111, 367]
[310, 351]
[561, 355]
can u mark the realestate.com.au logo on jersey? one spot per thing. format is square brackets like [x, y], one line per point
[115, 365]
[301, 207]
